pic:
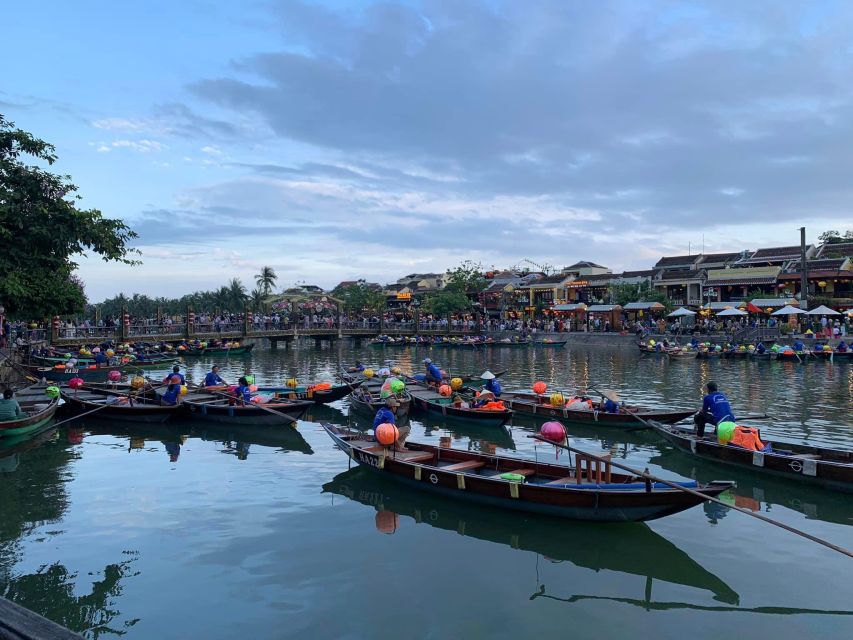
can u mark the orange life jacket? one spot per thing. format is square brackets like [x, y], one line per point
[494, 405]
[748, 438]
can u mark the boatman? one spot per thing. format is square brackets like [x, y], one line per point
[492, 383]
[433, 373]
[9, 407]
[760, 348]
[388, 414]
[715, 409]
[213, 378]
[176, 371]
[842, 347]
[799, 346]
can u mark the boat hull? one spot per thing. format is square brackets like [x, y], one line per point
[236, 415]
[40, 408]
[526, 405]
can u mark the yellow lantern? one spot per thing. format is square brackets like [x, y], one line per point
[821, 284]
[368, 373]
[557, 399]
[291, 383]
[183, 389]
[456, 384]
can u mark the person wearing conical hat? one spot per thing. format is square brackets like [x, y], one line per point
[492, 383]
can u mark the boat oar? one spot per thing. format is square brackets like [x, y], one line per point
[651, 478]
[647, 424]
[91, 411]
[253, 404]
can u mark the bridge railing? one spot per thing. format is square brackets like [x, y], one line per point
[87, 334]
[217, 327]
[165, 330]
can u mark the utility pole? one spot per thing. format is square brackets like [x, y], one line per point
[804, 271]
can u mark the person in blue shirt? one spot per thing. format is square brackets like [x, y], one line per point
[242, 393]
[173, 391]
[176, 371]
[492, 383]
[799, 346]
[433, 373]
[715, 409]
[213, 379]
[760, 348]
[610, 402]
[100, 358]
[386, 413]
[842, 347]
[694, 343]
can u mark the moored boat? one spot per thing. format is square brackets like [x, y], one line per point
[37, 411]
[830, 468]
[318, 393]
[434, 404]
[219, 351]
[88, 374]
[214, 407]
[550, 344]
[531, 405]
[118, 405]
[366, 401]
[580, 493]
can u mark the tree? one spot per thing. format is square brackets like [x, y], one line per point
[833, 237]
[257, 298]
[236, 294]
[467, 278]
[359, 296]
[446, 302]
[41, 230]
[266, 280]
[622, 294]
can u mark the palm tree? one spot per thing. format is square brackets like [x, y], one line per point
[237, 293]
[257, 298]
[266, 279]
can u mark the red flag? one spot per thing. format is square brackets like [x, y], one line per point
[752, 308]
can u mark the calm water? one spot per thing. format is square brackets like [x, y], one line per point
[190, 531]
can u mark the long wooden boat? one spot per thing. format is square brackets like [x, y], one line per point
[585, 545]
[512, 345]
[88, 374]
[366, 401]
[531, 405]
[434, 404]
[829, 468]
[215, 408]
[568, 492]
[317, 396]
[37, 409]
[835, 356]
[118, 405]
[44, 361]
[550, 344]
[220, 351]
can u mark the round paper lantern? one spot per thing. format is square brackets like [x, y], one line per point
[175, 379]
[456, 384]
[180, 347]
[137, 382]
[96, 350]
[368, 373]
[253, 388]
[291, 383]
[67, 356]
[250, 379]
[52, 392]
[397, 386]
[539, 387]
[75, 383]
[445, 390]
[110, 353]
[114, 376]
[553, 431]
[183, 389]
[557, 399]
[386, 434]
[396, 371]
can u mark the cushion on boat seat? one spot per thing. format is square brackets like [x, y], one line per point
[640, 486]
[468, 465]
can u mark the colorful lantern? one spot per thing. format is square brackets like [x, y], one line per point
[52, 392]
[456, 384]
[397, 386]
[557, 399]
[386, 434]
[137, 382]
[75, 383]
[539, 387]
[114, 376]
[553, 431]
[291, 383]
[445, 390]
[183, 389]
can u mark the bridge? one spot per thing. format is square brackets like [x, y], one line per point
[245, 331]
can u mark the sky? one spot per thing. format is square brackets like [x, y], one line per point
[341, 140]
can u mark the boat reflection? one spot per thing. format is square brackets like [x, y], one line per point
[759, 492]
[585, 545]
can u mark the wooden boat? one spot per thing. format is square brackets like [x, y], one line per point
[550, 344]
[119, 405]
[789, 355]
[88, 374]
[213, 407]
[830, 468]
[434, 404]
[37, 408]
[366, 401]
[512, 345]
[317, 396]
[44, 361]
[531, 405]
[707, 354]
[584, 492]
[220, 351]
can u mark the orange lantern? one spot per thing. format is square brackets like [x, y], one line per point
[539, 387]
[445, 390]
[386, 434]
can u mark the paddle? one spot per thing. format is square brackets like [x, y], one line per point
[91, 411]
[259, 406]
[650, 478]
[647, 424]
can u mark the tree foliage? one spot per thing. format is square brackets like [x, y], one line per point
[446, 302]
[266, 280]
[622, 294]
[42, 229]
[834, 237]
[359, 296]
[466, 278]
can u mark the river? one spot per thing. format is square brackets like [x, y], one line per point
[183, 530]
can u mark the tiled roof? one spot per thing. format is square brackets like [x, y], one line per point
[742, 276]
[721, 258]
[674, 261]
[837, 250]
[680, 274]
[602, 307]
[585, 264]
[648, 273]
[645, 306]
[778, 252]
[819, 264]
[600, 278]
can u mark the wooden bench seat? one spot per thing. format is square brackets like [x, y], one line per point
[566, 480]
[415, 457]
[806, 456]
[521, 472]
[469, 465]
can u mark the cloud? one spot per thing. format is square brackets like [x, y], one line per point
[141, 146]
[607, 106]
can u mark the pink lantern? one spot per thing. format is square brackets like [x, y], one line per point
[553, 431]
[114, 376]
[75, 383]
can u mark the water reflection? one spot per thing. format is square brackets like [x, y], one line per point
[626, 548]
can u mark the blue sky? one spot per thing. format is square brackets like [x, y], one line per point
[340, 140]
